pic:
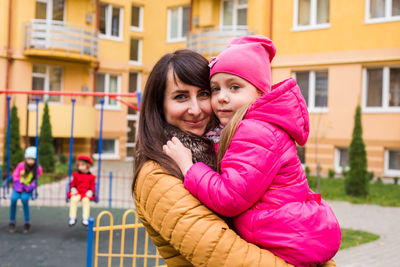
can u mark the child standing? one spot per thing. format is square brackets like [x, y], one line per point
[23, 184]
[261, 182]
[82, 188]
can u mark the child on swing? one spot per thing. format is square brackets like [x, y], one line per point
[82, 188]
[260, 181]
[24, 182]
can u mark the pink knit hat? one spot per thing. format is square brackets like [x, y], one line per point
[248, 57]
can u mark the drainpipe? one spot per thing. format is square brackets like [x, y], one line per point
[96, 67]
[9, 61]
[190, 15]
[271, 7]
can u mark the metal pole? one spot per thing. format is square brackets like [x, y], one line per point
[100, 150]
[37, 148]
[71, 145]
[110, 191]
[89, 251]
[8, 143]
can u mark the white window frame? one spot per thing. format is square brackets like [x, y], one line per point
[107, 89]
[181, 37]
[236, 6]
[388, 13]
[109, 155]
[140, 28]
[129, 158]
[108, 17]
[140, 51]
[390, 172]
[385, 92]
[46, 88]
[339, 168]
[313, 18]
[311, 92]
[49, 11]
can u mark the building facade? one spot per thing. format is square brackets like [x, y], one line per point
[342, 54]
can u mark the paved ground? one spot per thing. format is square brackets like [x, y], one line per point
[384, 221]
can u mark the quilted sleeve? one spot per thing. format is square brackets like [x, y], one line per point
[247, 169]
[199, 235]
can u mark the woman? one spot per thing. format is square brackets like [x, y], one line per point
[176, 102]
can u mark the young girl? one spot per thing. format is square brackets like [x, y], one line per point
[23, 184]
[82, 188]
[261, 182]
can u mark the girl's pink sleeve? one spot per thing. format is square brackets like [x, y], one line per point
[17, 171]
[247, 169]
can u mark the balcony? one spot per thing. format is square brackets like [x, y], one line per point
[57, 39]
[211, 41]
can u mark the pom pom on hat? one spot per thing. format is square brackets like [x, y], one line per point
[248, 57]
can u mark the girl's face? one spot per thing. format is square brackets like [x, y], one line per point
[229, 93]
[186, 106]
[83, 166]
[30, 161]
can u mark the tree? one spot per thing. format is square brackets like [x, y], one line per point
[46, 149]
[16, 152]
[357, 182]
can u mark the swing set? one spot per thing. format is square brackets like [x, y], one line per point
[116, 96]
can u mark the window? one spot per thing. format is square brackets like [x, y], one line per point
[135, 55]
[50, 10]
[301, 153]
[137, 18]
[311, 14]
[134, 86]
[178, 23]
[381, 89]
[392, 162]
[111, 21]
[108, 83]
[109, 149]
[234, 14]
[314, 87]
[382, 10]
[47, 78]
[341, 159]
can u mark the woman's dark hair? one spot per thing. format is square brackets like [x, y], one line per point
[190, 68]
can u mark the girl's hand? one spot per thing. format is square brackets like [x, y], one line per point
[179, 153]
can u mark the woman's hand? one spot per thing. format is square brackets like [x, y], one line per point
[179, 153]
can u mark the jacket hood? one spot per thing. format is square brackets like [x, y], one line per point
[284, 107]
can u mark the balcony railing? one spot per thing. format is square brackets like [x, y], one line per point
[72, 39]
[211, 41]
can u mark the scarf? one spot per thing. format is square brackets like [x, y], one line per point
[202, 148]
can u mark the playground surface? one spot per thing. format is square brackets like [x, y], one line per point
[51, 242]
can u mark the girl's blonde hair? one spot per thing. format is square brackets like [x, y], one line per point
[228, 132]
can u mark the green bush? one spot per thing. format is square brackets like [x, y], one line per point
[63, 159]
[396, 180]
[370, 176]
[356, 180]
[331, 173]
[307, 171]
[16, 152]
[46, 149]
[379, 180]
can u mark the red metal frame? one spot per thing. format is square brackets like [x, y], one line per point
[69, 93]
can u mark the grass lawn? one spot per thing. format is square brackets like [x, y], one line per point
[351, 238]
[379, 194]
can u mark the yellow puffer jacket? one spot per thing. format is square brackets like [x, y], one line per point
[186, 232]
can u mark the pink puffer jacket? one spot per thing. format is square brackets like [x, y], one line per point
[263, 186]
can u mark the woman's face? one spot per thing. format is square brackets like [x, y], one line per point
[186, 106]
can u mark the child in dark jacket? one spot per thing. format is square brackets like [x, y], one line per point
[82, 188]
[24, 182]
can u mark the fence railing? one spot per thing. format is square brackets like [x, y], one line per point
[211, 41]
[58, 35]
[139, 251]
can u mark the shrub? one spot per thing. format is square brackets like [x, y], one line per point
[63, 159]
[16, 152]
[396, 180]
[356, 180]
[46, 149]
[307, 171]
[370, 176]
[379, 181]
[331, 173]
